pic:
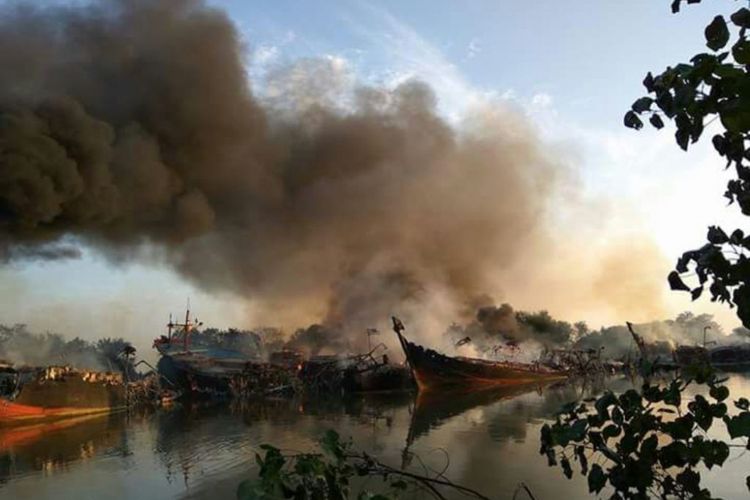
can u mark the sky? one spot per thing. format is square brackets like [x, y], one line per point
[572, 68]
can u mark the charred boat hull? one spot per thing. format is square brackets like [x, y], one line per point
[432, 369]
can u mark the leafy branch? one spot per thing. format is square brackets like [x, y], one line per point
[329, 475]
[650, 443]
[712, 86]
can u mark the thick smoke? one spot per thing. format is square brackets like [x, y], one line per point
[131, 125]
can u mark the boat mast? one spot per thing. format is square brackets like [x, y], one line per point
[187, 327]
[170, 325]
[707, 327]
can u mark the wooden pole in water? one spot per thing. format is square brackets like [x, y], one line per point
[707, 327]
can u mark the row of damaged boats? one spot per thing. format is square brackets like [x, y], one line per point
[216, 371]
[733, 357]
[195, 370]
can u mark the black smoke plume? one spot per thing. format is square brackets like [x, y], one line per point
[131, 125]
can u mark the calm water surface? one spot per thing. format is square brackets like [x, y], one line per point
[205, 451]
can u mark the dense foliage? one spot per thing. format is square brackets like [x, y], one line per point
[713, 87]
[651, 443]
[21, 346]
[332, 474]
[654, 443]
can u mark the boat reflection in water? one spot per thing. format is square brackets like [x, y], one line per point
[49, 448]
[434, 408]
[490, 440]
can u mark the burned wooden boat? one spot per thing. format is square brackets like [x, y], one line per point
[433, 369]
[199, 370]
[40, 394]
[368, 372]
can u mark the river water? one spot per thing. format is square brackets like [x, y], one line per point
[488, 441]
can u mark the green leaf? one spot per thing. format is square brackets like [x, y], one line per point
[610, 431]
[631, 120]
[735, 115]
[682, 136]
[728, 72]
[581, 455]
[701, 410]
[656, 121]
[567, 470]
[596, 479]
[675, 454]
[717, 34]
[739, 425]
[648, 448]
[628, 444]
[603, 403]
[719, 392]
[741, 18]
[578, 431]
[714, 453]
[720, 144]
[680, 428]
[331, 444]
[676, 283]
[617, 416]
[648, 82]
[741, 52]
[716, 235]
[643, 104]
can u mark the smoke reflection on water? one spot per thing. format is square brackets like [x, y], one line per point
[203, 451]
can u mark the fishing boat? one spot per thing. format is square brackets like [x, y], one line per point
[199, 368]
[31, 395]
[432, 369]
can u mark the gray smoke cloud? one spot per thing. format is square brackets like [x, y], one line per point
[131, 123]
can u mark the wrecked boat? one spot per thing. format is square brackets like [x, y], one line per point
[218, 372]
[369, 372]
[29, 395]
[433, 369]
[197, 369]
[722, 357]
[725, 357]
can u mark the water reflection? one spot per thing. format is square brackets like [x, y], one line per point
[489, 438]
[48, 448]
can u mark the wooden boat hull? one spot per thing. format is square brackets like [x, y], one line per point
[16, 414]
[432, 369]
[69, 396]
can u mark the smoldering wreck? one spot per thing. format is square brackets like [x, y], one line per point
[205, 364]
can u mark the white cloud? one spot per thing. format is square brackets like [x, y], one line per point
[265, 54]
[473, 49]
[409, 55]
[541, 100]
